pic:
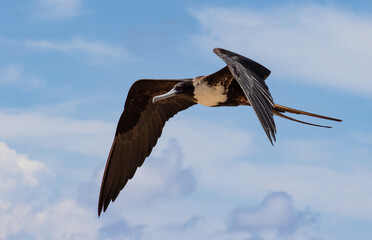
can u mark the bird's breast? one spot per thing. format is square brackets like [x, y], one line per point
[208, 95]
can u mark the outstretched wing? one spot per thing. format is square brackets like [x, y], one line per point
[138, 130]
[251, 77]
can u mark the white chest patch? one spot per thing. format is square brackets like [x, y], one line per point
[209, 95]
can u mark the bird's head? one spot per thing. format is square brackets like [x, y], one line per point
[184, 88]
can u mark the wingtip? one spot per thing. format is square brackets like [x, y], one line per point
[219, 51]
[270, 136]
[272, 140]
[100, 208]
[216, 50]
[99, 211]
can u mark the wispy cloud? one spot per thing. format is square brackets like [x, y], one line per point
[186, 225]
[96, 51]
[329, 47]
[211, 140]
[15, 75]
[55, 132]
[119, 228]
[59, 9]
[275, 215]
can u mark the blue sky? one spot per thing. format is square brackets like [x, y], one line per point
[66, 67]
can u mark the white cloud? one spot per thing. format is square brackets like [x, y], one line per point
[53, 132]
[96, 51]
[22, 180]
[63, 220]
[59, 9]
[14, 75]
[275, 215]
[315, 44]
[18, 170]
[27, 212]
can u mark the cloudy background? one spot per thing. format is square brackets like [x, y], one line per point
[65, 69]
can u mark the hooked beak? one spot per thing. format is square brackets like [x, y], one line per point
[169, 94]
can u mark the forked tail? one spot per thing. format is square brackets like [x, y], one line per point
[279, 110]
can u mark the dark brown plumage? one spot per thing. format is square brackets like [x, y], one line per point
[138, 130]
[150, 103]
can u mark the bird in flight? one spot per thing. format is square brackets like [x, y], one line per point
[150, 103]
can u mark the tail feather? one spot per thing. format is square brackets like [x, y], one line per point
[279, 109]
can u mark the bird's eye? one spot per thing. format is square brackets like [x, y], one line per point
[178, 87]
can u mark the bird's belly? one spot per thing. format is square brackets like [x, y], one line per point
[208, 95]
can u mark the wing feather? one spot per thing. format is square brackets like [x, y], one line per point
[251, 75]
[138, 130]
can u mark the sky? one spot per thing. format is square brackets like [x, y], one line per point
[67, 65]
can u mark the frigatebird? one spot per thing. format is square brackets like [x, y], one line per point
[150, 103]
